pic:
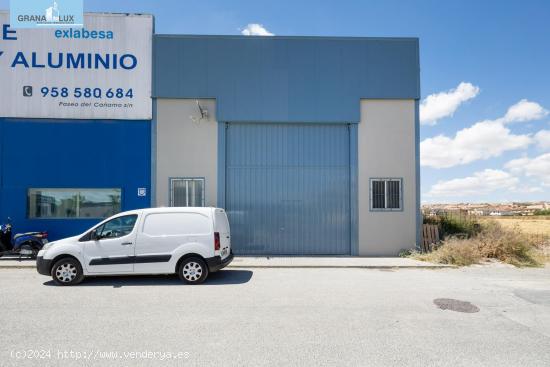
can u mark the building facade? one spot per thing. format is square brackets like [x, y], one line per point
[75, 122]
[310, 143]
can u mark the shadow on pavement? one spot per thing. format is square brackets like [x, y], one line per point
[223, 277]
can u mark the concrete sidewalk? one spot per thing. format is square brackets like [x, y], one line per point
[290, 262]
[330, 262]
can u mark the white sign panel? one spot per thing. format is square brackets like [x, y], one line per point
[100, 71]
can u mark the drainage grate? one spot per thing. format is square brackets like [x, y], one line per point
[455, 305]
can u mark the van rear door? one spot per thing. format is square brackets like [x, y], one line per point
[221, 225]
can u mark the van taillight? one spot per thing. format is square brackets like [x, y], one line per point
[216, 241]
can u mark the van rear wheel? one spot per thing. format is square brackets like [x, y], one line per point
[193, 270]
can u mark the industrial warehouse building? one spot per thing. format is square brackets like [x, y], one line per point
[309, 143]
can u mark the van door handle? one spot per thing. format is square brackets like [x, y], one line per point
[126, 243]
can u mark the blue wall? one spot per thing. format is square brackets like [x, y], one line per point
[71, 154]
[285, 79]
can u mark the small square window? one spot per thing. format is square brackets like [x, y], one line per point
[385, 194]
[187, 192]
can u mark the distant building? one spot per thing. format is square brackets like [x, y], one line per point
[476, 212]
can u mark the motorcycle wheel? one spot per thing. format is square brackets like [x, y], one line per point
[29, 251]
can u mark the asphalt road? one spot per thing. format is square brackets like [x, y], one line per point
[295, 317]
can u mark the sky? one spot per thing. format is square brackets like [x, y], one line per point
[485, 77]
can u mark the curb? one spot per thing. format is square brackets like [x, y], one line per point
[244, 266]
[342, 266]
[295, 267]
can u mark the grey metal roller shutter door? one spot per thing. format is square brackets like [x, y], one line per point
[288, 188]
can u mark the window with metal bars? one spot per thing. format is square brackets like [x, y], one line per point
[386, 194]
[187, 192]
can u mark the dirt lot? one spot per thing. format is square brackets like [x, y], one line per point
[533, 225]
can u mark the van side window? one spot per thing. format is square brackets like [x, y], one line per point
[176, 224]
[117, 227]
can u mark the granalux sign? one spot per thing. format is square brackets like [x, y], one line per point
[46, 13]
[100, 71]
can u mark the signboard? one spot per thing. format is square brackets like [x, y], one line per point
[100, 71]
[46, 13]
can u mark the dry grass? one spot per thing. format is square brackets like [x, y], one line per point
[531, 225]
[509, 245]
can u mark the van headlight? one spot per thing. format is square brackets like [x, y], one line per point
[47, 246]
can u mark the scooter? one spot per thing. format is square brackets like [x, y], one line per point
[22, 244]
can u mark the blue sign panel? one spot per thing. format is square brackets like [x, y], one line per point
[46, 13]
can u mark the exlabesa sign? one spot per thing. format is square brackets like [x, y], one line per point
[46, 13]
[100, 71]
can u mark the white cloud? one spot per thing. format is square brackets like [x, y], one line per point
[543, 139]
[523, 111]
[483, 140]
[255, 29]
[439, 105]
[529, 189]
[480, 183]
[537, 167]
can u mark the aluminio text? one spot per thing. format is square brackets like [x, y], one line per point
[71, 60]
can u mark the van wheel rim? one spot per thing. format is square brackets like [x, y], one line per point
[192, 271]
[65, 272]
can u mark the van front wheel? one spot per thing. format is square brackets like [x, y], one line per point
[193, 270]
[67, 271]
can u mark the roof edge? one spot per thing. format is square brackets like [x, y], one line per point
[235, 36]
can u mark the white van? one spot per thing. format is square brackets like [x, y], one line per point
[191, 242]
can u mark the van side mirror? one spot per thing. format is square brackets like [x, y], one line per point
[94, 236]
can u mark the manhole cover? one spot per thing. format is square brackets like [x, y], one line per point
[455, 305]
